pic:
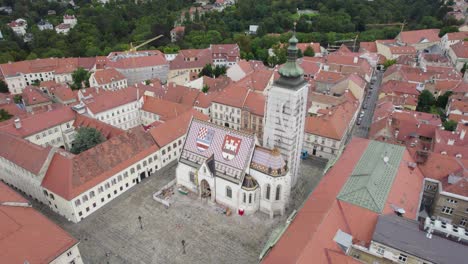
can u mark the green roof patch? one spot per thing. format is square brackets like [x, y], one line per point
[372, 178]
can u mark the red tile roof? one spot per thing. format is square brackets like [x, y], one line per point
[173, 129]
[309, 238]
[63, 92]
[314, 46]
[368, 46]
[23, 153]
[70, 175]
[27, 235]
[228, 51]
[165, 109]
[106, 100]
[329, 77]
[416, 36]
[138, 59]
[191, 58]
[255, 103]
[334, 123]
[178, 29]
[460, 49]
[57, 65]
[106, 130]
[38, 122]
[107, 76]
[33, 96]
[399, 87]
[457, 35]
[257, 80]
[234, 95]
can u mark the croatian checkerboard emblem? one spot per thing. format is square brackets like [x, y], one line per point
[231, 146]
[204, 138]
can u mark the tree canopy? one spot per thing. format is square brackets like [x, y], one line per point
[103, 28]
[3, 87]
[211, 71]
[450, 125]
[86, 138]
[4, 115]
[425, 100]
[80, 76]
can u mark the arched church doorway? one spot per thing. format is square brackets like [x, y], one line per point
[205, 189]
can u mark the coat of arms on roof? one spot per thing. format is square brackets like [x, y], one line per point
[204, 138]
[230, 147]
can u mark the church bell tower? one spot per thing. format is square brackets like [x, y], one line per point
[286, 111]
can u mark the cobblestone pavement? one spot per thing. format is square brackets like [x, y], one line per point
[113, 233]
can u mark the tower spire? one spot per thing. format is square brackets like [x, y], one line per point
[291, 70]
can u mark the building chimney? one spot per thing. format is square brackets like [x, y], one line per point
[49, 107]
[17, 123]
[462, 134]
[355, 60]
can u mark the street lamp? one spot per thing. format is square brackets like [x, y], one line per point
[141, 224]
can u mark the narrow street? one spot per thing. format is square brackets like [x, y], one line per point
[362, 130]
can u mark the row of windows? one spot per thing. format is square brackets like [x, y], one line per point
[80, 213]
[267, 193]
[128, 108]
[114, 181]
[221, 107]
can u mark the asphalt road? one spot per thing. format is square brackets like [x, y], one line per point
[362, 130]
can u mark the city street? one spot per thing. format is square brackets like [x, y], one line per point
[362, 130]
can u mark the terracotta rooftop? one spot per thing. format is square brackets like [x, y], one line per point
[229, 50]
[33, 96]
[368, 46]
[257, 80]
[255, 103]
[460, 49]
[399, 87]
[14, 149]
[70, 175]
[38, 122]
[27, 235]
[173, 129]
[137, 59]
[57, 65]
[334, 124]
[457, 35]
[418, 36]
[103, 101]
[165, 109]
[107, 76]
[63, 92]
[309, 238]
[314, 46]
[191, 58]
[106, 130]
[234, 95]
[329, 77]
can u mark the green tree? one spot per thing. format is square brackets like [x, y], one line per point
[219, 70]
[3, 87]
[86, 138]
[463, 70]
[80, 76]
[206, 71]
[205, 88]
[4, 115]
[299, 53]
[443, 99]
[450, 125]
[425, 100]
[18, 99]
[389, 63]
[309, 52]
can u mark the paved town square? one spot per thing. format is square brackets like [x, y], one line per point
[114, 234]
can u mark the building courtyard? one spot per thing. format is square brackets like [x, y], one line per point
[114, 234]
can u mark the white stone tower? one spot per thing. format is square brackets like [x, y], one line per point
[286, 111]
